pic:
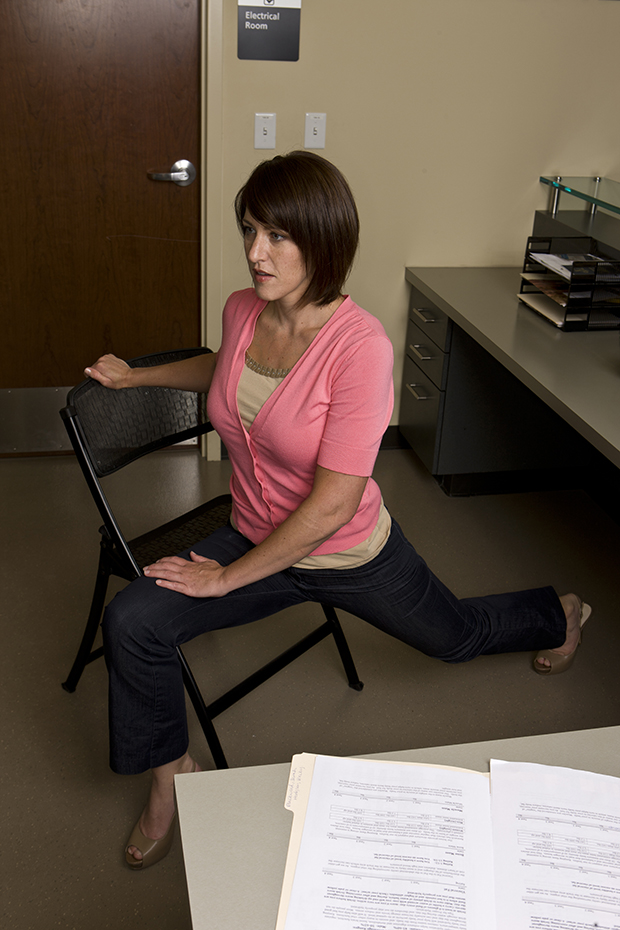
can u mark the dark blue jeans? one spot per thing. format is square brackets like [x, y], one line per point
[395, 592]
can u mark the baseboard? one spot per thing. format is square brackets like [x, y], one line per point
[393, 439]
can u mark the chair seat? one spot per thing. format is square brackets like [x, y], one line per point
[183, 532]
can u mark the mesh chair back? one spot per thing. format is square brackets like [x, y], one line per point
[118, 427]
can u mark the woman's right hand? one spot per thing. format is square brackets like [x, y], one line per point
[110, 371]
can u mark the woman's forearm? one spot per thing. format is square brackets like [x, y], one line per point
[332, 502]
[189, 374]
[299, 535]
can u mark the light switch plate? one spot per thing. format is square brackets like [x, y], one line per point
[264, 130]
[314, 136]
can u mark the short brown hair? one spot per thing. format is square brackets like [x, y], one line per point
[304, 195]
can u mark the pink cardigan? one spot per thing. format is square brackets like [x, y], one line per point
[331, 410]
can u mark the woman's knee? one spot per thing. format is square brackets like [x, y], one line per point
[128, 614]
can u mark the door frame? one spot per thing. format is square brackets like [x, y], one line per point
[212, 195]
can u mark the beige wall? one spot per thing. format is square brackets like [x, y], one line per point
[442, 114]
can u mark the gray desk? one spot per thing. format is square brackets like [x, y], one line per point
[235, 829]
[576, 374]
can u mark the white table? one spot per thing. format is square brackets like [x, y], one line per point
[235, 829]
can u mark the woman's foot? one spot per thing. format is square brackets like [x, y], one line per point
[554, 661]
[155, 827]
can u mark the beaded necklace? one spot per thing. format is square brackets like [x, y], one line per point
[264, 369]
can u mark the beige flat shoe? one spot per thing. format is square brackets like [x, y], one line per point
[558, 663]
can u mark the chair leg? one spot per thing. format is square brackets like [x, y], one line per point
[202, 713]
[343, 648]
[85, 653]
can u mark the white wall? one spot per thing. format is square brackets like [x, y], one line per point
[442, 114]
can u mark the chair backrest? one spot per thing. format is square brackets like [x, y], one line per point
[109, 429]
[118, 427]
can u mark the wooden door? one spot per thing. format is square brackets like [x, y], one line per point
[94, 256]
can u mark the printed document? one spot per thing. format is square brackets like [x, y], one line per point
[401, 846]
[390, 845]
[556, 837]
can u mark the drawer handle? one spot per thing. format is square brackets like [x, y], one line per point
[416, 393]
[421, 352]
[425, 315]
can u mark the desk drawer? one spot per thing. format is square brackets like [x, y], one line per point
[421, 405]
[431, 320]
[426, 355]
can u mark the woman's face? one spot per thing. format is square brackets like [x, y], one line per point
[276, 264]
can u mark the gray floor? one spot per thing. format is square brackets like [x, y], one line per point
[65, 816]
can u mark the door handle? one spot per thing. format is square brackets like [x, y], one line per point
[182, 173]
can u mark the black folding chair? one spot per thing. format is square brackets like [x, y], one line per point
[110, 429]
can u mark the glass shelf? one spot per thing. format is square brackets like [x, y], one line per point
[600, 192]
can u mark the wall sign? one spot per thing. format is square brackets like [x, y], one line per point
[268, 30]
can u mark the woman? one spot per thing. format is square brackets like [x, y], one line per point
[301, 393]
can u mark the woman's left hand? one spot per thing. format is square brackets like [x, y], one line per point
[199, 578]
